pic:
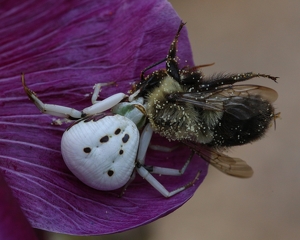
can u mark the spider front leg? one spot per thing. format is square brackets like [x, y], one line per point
[97, 90]
[71, 113]
[51, 109]
[145, 171]
[107, 103]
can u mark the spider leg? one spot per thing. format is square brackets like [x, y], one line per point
[97, 90]
[170, 171]
[145, 171]
[51, 109]
[159, 187]
[71, 113]
[105, 104]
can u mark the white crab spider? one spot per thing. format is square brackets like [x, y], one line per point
[103, 151]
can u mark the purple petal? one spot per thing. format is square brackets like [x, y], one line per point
[12, 217]
[64, 48]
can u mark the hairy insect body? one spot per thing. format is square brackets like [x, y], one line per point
[176, 120]
[208, 114]
[232, 131]
[207, 110]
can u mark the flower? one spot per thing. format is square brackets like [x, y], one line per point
[13, 223]
[64, 48]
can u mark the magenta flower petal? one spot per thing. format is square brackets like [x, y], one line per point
[64, 48]
[12, 217]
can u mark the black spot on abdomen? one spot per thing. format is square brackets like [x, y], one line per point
[104, 139]
[125, 138]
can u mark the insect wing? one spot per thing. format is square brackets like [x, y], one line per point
[239, 101]
[247, 90]
[228, 165]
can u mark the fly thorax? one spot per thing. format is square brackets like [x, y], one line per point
[177, 121]
[207, 123]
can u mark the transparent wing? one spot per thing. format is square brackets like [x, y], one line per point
[239, 100]
[232, 166]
